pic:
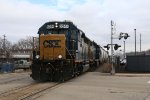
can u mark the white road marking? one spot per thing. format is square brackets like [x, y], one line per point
[148, 81]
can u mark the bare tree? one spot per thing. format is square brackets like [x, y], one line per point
[5, 48]
[24, 45]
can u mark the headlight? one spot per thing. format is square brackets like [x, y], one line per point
[60, 56]
[37, 56]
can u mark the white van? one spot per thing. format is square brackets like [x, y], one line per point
[22, 64]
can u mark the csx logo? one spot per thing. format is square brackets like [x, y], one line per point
[51, 43]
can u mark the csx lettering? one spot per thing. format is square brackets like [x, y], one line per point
[51, 43]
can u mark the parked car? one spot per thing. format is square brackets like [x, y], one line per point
[22, 64]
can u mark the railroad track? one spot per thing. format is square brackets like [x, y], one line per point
[28, 92]
[38, 93]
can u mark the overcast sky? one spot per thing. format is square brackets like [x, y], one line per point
[21, 18]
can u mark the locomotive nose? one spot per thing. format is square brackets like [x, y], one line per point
[52, 47]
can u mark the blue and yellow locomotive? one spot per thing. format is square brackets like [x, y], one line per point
[64, 52]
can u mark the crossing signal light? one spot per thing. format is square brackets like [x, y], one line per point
[116, 46]
[107, 47]
[120, 36]
[126, 36]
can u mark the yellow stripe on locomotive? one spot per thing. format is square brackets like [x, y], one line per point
[52, 47]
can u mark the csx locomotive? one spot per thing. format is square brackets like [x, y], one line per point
[64, 52]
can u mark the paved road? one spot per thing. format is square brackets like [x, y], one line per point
[98, 86]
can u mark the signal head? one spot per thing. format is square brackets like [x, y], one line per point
[116, 46]
[126, 36]
[107, 47]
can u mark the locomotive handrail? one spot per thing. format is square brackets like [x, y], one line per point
[52, 67]
[69, 53]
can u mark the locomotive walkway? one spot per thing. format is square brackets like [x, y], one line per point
[100, 86]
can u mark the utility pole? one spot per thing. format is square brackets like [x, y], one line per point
[4, 45]
[112, 70]
[135, 41]
[140, 42]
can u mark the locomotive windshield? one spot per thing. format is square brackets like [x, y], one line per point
[73, 33]
[57, 31]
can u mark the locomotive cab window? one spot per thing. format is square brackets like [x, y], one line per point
[49, 32]
[57, 32]
[79, 36]
[52, 32]
[73, 35]
[63, 32]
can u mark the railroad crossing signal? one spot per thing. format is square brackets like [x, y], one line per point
[125, 35]
[116, 46]
[107, 47]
